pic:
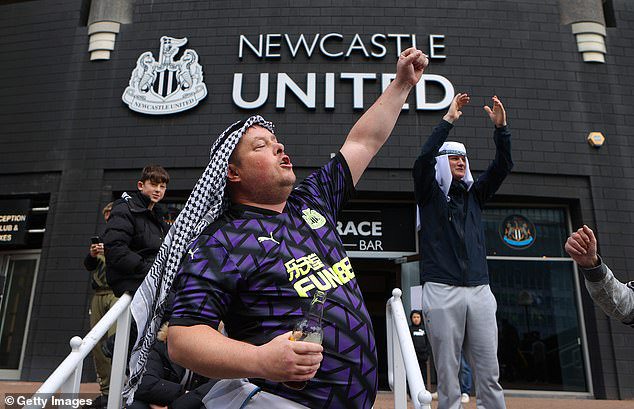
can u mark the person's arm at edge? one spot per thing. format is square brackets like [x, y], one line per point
[209, 353]
[371, 131]
[615, 298]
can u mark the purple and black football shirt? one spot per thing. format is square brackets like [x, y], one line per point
[257, 271]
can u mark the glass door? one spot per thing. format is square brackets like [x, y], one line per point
[17, 282]
[541, 331]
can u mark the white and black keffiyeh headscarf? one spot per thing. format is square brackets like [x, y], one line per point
[206, 203]
[443, 170]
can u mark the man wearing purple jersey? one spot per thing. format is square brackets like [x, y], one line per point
[257, 266]
[257, 270]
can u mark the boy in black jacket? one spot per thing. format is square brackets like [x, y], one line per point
[135, 232]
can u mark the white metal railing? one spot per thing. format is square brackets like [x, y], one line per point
[402, 365]
[67, 377]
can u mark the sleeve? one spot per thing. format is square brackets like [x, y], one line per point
[424, 172]
[154, 388]
[192, 399]
[490, 181]
[117, 239]
[205, 285]
[595, 274]
[615, 298]
[90, 262]
[328, 188]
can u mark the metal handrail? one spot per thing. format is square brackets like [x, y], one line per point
[402, 365]
[67, 376]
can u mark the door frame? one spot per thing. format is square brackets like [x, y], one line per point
[5, 258]
[581, 319]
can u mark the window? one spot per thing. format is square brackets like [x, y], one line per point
[541, 344]
[608, 13]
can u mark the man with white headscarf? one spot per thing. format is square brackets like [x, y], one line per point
[257, 263]
[458, 306]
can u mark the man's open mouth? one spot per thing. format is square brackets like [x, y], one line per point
[286, 162]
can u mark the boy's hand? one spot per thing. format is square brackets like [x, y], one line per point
[497, 114]
[454, 112]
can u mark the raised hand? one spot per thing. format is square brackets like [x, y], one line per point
[454, 112]
[497, 114]
[285, 360]
[410, 66]
[582, 247]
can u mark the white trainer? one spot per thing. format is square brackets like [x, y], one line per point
[464, 398]
[434, 396]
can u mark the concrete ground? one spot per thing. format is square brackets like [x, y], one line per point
[385, 400]
[16, 388]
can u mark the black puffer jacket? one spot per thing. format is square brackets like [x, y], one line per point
[164, 383]
[133, 237]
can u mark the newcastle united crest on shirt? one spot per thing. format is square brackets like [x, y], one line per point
[166, 86]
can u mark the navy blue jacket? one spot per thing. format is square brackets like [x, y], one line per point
[451, 237]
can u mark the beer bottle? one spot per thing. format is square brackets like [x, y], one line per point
[309, 330]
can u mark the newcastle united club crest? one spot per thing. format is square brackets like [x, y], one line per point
[517, 232]
[166, 86]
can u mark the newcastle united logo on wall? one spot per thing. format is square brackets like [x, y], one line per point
[517, 232]
[166, 86]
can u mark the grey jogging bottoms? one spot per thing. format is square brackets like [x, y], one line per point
[463, 319]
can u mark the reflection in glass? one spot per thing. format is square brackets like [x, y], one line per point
[539, 336]
[549, 231]
[14, 311]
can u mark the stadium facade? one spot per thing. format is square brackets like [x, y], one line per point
[92, 91]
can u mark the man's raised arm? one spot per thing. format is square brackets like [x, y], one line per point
[424, 172]
[372, 130]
